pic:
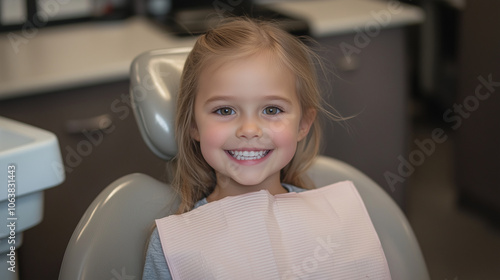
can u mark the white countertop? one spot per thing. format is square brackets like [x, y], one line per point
[88, 53]
[327, 18]
[78, 54]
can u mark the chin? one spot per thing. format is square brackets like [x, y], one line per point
[249, 181]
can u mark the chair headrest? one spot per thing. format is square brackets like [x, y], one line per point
[154, 83]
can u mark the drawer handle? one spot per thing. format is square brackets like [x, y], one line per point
[101, 122]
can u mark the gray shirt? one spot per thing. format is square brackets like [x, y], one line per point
[156, 265]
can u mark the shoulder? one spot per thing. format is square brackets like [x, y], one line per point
[154, 241]
[155, 266]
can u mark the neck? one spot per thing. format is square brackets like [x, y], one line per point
[229, 187]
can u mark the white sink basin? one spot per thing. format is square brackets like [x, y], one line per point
[34, 152]
[34, 160]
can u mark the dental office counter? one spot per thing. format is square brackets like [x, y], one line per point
[76, 55]
[68, 78]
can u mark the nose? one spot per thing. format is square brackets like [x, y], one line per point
[249, 128]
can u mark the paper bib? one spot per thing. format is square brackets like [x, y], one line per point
[324, 233]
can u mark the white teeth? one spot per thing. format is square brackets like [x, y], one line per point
[248, 155]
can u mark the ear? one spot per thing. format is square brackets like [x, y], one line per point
[195, 134]
[305, 123]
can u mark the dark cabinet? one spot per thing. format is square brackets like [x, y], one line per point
[476, 114]
[368, 85]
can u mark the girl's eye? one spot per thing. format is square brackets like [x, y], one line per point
[272, 110]
[226, 111]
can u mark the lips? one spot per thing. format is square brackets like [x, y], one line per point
[248, 155]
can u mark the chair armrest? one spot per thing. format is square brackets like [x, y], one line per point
[110, 239]
[400, 245]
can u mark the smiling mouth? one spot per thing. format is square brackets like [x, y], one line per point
[248, 155]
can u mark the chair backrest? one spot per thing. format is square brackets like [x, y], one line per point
[110, 240]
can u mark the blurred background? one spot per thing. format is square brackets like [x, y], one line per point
[420, 78]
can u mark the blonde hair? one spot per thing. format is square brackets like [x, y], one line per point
[239, 38]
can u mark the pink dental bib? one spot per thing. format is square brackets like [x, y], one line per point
[324, 233]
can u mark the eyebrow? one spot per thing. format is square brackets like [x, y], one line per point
[229, 98]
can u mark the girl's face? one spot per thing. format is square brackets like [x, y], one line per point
[248, 122]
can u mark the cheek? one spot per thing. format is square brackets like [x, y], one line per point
[212, 137]
[284, 132]
[286, 141]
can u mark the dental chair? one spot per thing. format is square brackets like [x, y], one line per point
[111, 238]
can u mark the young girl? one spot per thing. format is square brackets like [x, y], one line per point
[246, 120]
